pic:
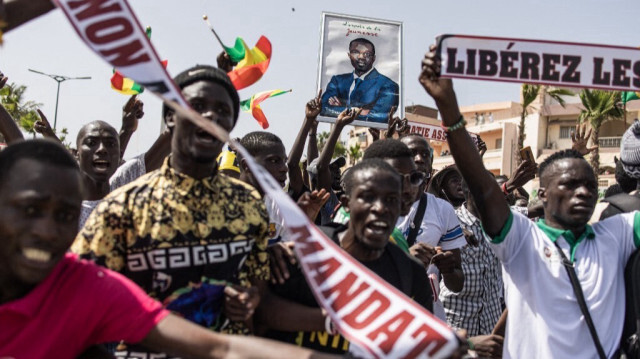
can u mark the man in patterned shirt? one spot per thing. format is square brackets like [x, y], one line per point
[477, 307]
[191, 237]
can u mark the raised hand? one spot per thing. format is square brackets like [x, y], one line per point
[348, 116]
[525, 172]
[43, 127]
[375, 133]
[440, 89]
[391, 122]
[313, 107]
[224, 62]
[580, 141]
[132, 111]
[311, 202]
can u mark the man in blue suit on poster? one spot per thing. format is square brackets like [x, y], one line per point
[365, 87]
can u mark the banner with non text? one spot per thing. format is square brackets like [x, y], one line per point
[553, 63]
[367, 310]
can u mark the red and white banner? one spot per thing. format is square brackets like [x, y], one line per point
[112, 31]
[367, 310]
[540, 62]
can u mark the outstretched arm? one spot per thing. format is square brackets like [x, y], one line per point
[19, 12]
[312, 110]
[489, 199]
[132, 111]
[180, 337]
[43, 127]
[324, 173]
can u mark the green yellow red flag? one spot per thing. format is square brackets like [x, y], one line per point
[252, 105]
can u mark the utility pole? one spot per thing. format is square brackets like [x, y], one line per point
[59, 79]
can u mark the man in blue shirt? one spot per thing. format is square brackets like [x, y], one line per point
[364, 88]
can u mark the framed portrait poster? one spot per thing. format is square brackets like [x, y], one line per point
[360, 66]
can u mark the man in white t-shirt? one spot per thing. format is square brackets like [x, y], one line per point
[545, 320]
[439, 226]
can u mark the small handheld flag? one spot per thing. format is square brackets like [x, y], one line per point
[252, 105]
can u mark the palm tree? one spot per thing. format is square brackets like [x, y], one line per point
[23, 112]
[599, 107]
[529, 94]
[355, 153]
[339, 151]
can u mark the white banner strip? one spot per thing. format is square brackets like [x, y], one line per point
[540, 62]
[112, 31]
[366, 309]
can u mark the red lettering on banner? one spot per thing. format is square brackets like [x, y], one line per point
[344, 291]
[305, 244]
[324, 269]
[376, 298]
[124, 54]
[430, 340]
[95, 7]
[99, 33]
[391, 330]
[426, 132]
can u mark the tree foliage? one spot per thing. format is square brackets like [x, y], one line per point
[529, 94]
[339, 151]
[22, 111]
[599, 107]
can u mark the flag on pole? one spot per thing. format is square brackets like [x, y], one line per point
[237, 52]
[252, 105]
[630, 95]
[254, 64]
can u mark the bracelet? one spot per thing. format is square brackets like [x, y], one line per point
[329, 327]
[458, 125]
[471, 346]
[504, 188]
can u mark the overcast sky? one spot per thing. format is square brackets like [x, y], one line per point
[48, 44]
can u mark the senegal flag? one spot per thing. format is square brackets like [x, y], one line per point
[252, 105]
[254, 64]
[630, 95]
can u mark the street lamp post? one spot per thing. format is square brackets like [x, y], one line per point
[59, 79]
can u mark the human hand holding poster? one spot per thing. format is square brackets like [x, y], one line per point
[368, 311]
[540, 62]
[360, 66]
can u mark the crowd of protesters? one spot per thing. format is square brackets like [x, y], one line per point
[180, 251]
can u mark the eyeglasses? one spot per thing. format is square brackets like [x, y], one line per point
[416, 178]
[367, 55]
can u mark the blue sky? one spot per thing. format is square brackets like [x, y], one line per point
[48, 44]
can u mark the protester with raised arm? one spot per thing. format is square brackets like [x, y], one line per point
[539, 258]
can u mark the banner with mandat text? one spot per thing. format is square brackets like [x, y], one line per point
[369, 312]
[565, 64]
